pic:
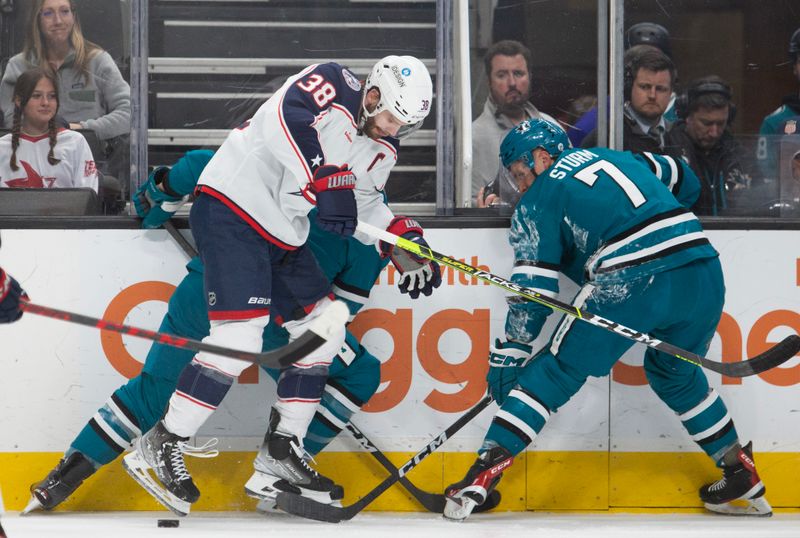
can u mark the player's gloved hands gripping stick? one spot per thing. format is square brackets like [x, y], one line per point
[336, 204]
[505, 360]
[10, 295]
[417, 275]
[155, 201]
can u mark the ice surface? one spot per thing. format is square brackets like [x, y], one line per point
[388, 525]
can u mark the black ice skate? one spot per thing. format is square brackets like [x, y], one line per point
[739, 482]
[163, 452]
[281, 465]
[59, 484]
[462, 497]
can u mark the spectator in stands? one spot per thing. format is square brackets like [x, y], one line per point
[702, 138]
[767, 153]
[93, 93]
[37, 154]
[649, 76]
[788, 203]
[643, 33]
[508, 68]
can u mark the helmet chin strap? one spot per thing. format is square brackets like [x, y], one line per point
[365, 113]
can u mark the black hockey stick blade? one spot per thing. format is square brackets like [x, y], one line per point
[774, 356]
[278, 358]
[309, 509]
[778, 354]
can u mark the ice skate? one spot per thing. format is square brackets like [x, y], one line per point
[59, 484]
[740, 491]
[163, 452]
[281, 466]
[462, 497]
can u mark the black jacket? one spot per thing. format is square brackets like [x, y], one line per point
[719, 169]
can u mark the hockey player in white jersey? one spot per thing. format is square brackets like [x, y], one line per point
[306, 147]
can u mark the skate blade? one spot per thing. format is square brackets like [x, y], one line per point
[266, 488]
[458, 509]
[32, 506]
[138, 469]
[758, 507]
[260, 487]
[268, 506]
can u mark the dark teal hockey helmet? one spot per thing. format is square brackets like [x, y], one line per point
[529, 135]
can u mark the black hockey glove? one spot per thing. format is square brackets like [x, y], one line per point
[417, 275]
[10, 295]
[336, 204]
[505, 360]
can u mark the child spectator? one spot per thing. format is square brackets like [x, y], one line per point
[37, 153]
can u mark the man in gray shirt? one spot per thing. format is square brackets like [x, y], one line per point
[507, 65]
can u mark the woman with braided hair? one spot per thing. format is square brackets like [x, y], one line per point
[37, 153]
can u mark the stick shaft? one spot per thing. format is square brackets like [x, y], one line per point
[270, 359]
[774, 356]
[305, 507]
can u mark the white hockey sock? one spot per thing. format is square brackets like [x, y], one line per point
[295, 416]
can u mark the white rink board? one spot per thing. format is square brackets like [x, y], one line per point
[56, 374]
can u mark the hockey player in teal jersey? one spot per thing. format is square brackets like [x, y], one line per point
[134, 408]
[640, 257]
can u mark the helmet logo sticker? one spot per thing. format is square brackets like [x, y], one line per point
[399, 76]
[406, 71]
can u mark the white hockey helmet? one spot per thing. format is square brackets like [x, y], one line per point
[406, 91]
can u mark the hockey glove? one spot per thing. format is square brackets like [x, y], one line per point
[336, 204]
[11, 293]
[417, 275]
[505, 360]
[155, 205]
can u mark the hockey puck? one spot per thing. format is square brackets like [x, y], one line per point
[168, 523]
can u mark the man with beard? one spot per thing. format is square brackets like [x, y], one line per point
[323, 141]
[508, 68]
[649, 77]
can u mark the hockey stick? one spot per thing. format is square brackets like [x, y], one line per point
[432, 502]
[182, 241]
[292, 352]
[305, 507]
[774, 356]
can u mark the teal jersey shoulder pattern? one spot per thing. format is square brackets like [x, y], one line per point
[602, 216]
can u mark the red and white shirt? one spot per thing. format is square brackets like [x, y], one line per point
[75, 169]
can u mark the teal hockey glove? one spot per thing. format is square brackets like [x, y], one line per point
[155, 205]
[505, 360]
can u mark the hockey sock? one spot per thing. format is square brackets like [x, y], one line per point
[108, 433]
[199, 392]
[518, 421]
[711, 427]
[334, 412]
